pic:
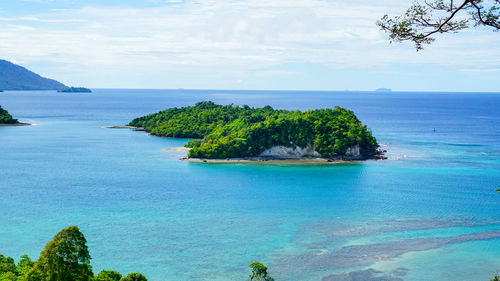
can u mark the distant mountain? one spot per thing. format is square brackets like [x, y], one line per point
[15, 77]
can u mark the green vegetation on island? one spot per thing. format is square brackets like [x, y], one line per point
[259, 272]
[228, 131]
[15, 77]
[6, 118]
[75, 90]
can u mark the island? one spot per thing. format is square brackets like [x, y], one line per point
[228, 132]
[7, 120]
[75, 90]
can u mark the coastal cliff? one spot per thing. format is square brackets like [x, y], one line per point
[308, 152]
[280, 151]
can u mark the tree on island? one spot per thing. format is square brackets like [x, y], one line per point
[259, 272]
[66, 257]
[8, 268]
[426, 18]
[108, 275]
[134, 277]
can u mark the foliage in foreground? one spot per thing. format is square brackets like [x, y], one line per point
[6, 118]
[232, 131]
[66, 257]
[424, 19]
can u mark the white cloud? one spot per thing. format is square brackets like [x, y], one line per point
[232, 36]
[35, 19]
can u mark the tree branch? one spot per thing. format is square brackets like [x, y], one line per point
[480, 17]
[440, 26]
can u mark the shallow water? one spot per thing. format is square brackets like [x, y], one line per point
[429, 212]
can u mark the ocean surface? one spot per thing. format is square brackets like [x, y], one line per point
[429, 212]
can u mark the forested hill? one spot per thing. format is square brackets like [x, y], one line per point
[15, 77]
[235, 132]
[6, 118]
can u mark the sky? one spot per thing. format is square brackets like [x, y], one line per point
[238, 44]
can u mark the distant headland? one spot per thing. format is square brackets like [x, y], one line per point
[75, 90]
[15, 77]
[7, 120]
[234, 133]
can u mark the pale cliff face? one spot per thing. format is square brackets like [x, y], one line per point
[290, 152]
[353, 152]
[281, 151]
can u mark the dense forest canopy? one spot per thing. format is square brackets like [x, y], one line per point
[228, 131]
[6, 118]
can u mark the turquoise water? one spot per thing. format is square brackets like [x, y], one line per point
[429, 212]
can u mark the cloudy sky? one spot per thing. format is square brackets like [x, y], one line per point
[238, 44]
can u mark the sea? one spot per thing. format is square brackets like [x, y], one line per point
[428, 212]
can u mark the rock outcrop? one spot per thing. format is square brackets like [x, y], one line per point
[281, 151]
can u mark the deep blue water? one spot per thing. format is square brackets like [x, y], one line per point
[429, 211]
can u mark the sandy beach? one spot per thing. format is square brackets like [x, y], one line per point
[178, 148]
[271, 162]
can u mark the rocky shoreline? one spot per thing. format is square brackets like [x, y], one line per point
[14, 124]
[288, 161]
[279, 161]
[270, 161]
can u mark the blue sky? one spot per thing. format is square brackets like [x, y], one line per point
[238, 44]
